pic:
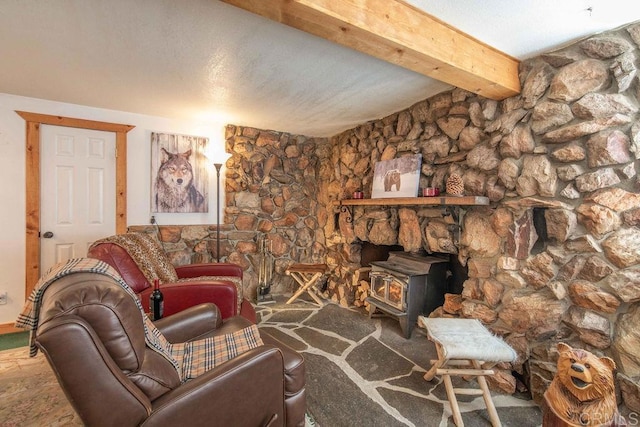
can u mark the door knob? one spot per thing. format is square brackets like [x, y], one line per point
[47, 235]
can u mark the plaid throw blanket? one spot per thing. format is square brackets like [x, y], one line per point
[154, 263]
[189, 359]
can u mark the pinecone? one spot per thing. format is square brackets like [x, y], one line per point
[455, 185]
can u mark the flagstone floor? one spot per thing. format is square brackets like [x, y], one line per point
[362, 372]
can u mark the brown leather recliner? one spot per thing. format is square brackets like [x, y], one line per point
[92, 334]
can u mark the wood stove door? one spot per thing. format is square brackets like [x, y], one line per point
[378, 285]
[389, 289]
[396, 293]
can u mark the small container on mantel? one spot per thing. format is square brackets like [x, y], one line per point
[358, 194]
[430, 192]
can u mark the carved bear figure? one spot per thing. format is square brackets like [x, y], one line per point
[582, 392]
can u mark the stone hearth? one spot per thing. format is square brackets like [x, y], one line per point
[362, 372]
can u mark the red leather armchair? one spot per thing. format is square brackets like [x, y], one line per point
[91, 333]
[207, 284]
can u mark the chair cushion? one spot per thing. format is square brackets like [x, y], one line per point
[179, 296]
[119, 259]
[147, 253]
[237, 282]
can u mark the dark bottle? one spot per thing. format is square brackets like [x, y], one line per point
[156, 301]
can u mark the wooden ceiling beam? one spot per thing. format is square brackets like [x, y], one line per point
[397, 32]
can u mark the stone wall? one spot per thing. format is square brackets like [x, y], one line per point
[272, 191]
[555, 256]
[185, 244]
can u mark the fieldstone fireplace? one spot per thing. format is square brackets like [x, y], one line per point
[553, 256]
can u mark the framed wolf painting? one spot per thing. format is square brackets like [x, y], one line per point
[179, 173]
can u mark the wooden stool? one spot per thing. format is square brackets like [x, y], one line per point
[306, 275]
[465, 348]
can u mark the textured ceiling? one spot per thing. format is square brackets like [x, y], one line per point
[203, 60]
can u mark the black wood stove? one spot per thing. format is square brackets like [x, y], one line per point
[406, 286]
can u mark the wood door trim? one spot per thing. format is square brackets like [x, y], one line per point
[32, 220]
[9, 328]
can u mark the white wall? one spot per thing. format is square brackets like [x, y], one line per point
[12, 179]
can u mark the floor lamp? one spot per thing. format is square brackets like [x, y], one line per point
[218, 166]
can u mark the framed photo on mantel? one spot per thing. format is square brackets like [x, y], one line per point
[398, 177]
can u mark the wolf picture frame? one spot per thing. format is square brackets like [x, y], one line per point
[179, 173]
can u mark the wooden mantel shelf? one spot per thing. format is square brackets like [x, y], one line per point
[417, 201]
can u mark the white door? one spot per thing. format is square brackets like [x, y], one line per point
[77, 192]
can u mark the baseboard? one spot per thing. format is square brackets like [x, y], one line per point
[9, 328]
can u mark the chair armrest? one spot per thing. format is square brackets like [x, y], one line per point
[190, 323]
[182, 295]
[211, 269]
[248, 312]
[252, 384]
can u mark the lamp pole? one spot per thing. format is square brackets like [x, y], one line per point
[218, 166]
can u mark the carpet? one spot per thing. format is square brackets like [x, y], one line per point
[30, 394]
[14, 340]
